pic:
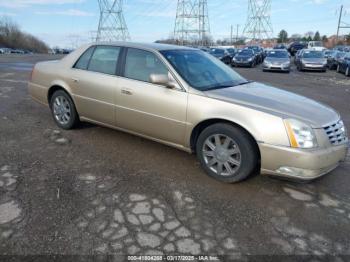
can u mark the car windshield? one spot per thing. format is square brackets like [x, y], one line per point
[313, 54]
[277, 54]
[231, 50]
[202, 71]
[246, 52]
[217, 51]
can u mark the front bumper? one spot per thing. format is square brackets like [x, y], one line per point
[276, 68]
[242, 63]
[314, 67]
[301, 164]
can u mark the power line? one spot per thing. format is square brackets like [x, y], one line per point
[258, 24]
[112, 25]
[192, 22]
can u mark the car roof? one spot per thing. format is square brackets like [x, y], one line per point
[154, 46]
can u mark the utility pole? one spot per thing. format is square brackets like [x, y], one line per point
[112, 26]
[340, 16]
[237, 33]
[231, 38]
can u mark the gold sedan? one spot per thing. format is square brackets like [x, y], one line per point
[188, 99]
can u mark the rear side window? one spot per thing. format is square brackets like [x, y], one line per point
[141, 64]
[83, 61]
[104, 60]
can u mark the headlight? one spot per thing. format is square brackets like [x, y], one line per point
[286, 64]
[324, 63]
[267, 63]
[300, 134]
[250, 59]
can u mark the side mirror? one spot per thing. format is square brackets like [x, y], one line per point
[164, 80]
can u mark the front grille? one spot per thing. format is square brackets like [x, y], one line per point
[336, 133]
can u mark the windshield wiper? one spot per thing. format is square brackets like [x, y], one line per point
[244, 83]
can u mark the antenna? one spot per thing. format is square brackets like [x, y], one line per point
[112, 26]
[258, 24]
[192, 22]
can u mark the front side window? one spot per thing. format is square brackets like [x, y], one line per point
[105, 60]
[202, 71]
[83, 61]
[140, 64]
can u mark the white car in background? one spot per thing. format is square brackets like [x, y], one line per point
[316, 45]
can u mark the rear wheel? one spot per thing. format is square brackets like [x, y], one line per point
[63, 110]
[226, 153]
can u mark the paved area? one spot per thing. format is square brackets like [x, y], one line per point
[98, 191]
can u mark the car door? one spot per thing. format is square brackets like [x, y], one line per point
[94, 82]
[149, 109]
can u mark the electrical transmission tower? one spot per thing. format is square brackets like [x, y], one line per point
[258, 25]
[112, 26]
[192, 22]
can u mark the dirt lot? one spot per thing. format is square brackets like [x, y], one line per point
[98, 191]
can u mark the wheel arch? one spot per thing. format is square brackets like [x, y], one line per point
[196, 131]
[55, 87]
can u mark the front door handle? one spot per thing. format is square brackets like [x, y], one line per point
[126, 92]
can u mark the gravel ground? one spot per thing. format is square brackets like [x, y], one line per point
[96, 191]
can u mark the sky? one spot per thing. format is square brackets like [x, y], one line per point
[67, 23]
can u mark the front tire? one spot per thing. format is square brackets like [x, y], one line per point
[63, 110]
[226, 153]
[347, 72]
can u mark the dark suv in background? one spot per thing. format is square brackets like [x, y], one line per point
[294, 47]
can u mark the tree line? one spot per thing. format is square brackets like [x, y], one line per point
[11, 36]
[310, 36]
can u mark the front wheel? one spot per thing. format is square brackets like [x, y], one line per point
[63, 110]
[338, 69]
[226, 153]
[347, 72]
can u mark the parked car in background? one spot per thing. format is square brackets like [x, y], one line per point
[259, 53]
[342, 48]
[294, 47]
[2, 51]
[334, 59]
[277, 60]
[312, 60]
[246, 57]
[222, 54]
[297, 56]
[187, 99]
[280, 46]
[344, 65]
[316, 45]
[328, 53]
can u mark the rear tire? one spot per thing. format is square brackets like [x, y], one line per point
[227, 153]
[63, 110]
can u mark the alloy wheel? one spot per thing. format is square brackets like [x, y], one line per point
[221, 155]
[62, 110]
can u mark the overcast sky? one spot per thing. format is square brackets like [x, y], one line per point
[67, 22]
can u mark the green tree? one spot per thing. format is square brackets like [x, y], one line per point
[282, 36]
[324, 38]
[317, 36]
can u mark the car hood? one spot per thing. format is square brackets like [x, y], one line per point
[277, 102]
[314, 60]
[243, 57]
[277, 60]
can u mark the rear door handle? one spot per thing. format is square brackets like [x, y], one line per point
[126, 92]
